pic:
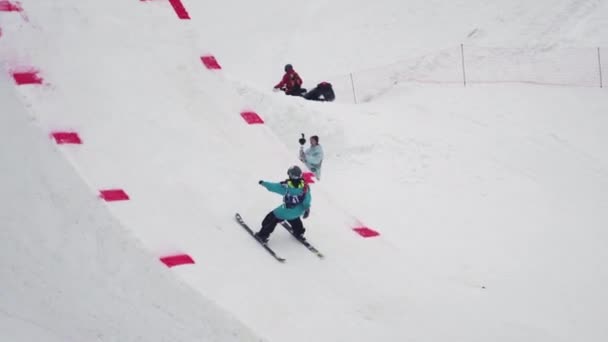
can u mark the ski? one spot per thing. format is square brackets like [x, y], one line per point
[242, 223]
[303, 241]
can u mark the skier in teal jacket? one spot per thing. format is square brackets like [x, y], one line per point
[296, 203]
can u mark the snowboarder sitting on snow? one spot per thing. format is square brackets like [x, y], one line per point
[296, 202]
[313, 156]
[291, 83]
[322, 92]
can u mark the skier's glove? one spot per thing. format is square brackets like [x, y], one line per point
[306, 213]
[260, 182]
[302, 140]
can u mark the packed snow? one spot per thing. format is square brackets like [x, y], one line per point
[491, 199]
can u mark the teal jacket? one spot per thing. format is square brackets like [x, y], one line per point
[282, 212]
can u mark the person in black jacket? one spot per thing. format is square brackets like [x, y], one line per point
[322, 92]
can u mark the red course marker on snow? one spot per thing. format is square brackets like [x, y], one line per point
[27, 77]
[366, 232]
[210, 62]
[66, 138]
[176, 260]
[179, 9]
[252, 117]
[7, 6]
[113, 195]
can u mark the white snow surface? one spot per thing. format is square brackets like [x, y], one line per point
[491, 199]
[70, 270]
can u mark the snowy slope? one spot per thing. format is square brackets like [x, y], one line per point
[327, 38]
[70, 271]
[490, 200]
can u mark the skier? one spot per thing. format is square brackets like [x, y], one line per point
[296, 203]
[322, 92]
[291, 82]
[313, 156]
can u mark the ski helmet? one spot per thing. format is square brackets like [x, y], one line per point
[288, 67]
[294, 172]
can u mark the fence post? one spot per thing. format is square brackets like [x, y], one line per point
[464, 75]
[352, 83]
[599, 64]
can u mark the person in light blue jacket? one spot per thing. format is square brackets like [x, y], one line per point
[296, 203]
[313, 156]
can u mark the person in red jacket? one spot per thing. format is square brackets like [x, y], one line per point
[291, 82]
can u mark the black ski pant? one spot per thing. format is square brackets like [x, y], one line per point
[270, 222]
[296, 91]
[315, 94]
